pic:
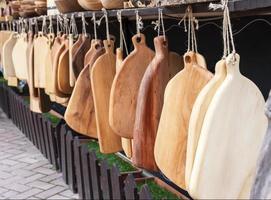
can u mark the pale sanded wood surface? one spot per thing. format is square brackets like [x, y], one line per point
[102, 75]
[82, 118]
[4, 36]
[41, 49]
[63, 74]
[180, 95]
[73, 47]
[162, 68]
[236, 118]
[261, 185]
[49, 84]
[123, 97]
[8, 46]
[19, 57]
[198, 114]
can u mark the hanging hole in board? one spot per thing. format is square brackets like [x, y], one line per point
[138, 39]
[188, 59]
[97, 46]
[165, 44]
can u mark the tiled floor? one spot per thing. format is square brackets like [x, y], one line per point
[24, 172]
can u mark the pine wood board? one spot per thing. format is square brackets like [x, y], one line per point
[102, 75]
[49, 84]
[162, 68]
[4, 36]
[123, 97]
[82, 118]
[198, 114]
[235, 117]
[171, 140]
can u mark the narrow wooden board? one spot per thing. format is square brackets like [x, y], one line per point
[198, 114]
[49, 84]
[180, 95]
[150, 101]
[261, 186]
[4, 36]
[8, 46]
[236, 117]
[102, 75]
[82, 118]
[19, 57]
[63, 74]
[41, 49]
[123, 97]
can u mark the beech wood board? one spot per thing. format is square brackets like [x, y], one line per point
[82, 118]
[150, 101]
[198, 114]
[180, 95]
[102, 75]
[123, 97]
[236, 117]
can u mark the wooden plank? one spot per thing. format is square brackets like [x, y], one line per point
[63, 157]
[95, 176]
[145, 193]
[117, 186]
[53, 145]
[46, 138]
[130, 188]
[105, 180]
[88, 192]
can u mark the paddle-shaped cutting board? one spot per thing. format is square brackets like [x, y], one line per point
[19, 57]
[102, 75]
[261, 186]
[171, 140]
[235, 117]
[150, 100]
[123, 96]
[9, 70]
[4, 36]
[73, 47]
[63, 74]
[41, 49]
[82, 118]
[198, 113]
[78, 61]
[49, 69]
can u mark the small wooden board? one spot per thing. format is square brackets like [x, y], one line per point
[123, 97]
[180, 95]
[102, 75]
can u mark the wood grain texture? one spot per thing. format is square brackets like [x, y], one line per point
[63, 75]
[91, 4]
[198, 114]
[19, 57]
[102, 75]
[9, 70]
[78, 62]
[41, 49]
[236, 117]
[82, 118]
[4, 36]
[261, 185]
[123, 97]
[180, 95]
[73, 47]
[150, 101]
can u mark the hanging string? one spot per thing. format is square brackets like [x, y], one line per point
[30, 28]
[94, 25]
[122, 36]
[36, 25]
[66, 24]
[44, 26]
[73, 28]
[189, 31]
[139, 23]
[84, 23]
[58, 25]
[105, 16]
[51, 27]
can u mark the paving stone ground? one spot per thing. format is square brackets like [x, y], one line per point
[24, 172]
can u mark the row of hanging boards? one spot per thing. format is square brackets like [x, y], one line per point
[168, 113]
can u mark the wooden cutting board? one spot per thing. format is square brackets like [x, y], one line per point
[162, 68]
[73, 47]
[78, 62]
[63, 71]
[41, 49]
[198, 114]
[102, 75]
[123, 97]
[82, 118]
[236, 117]
[8, 46]
[4, 36]
[19, 57]
[180, 95]
[261, 186]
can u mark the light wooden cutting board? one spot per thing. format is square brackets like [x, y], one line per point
[261, 186]
[150, 100]
[19, 57]
[235, 117]
[82, 118]
[102, 75]
[41, 49]
[123, 97]
[198, 114]
[4, 36]
[49, 84]
[180, 95]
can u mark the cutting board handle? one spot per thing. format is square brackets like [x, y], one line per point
[190, 58]
[109, 46]
[232, 62]
[139, 39]
[161, 45]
